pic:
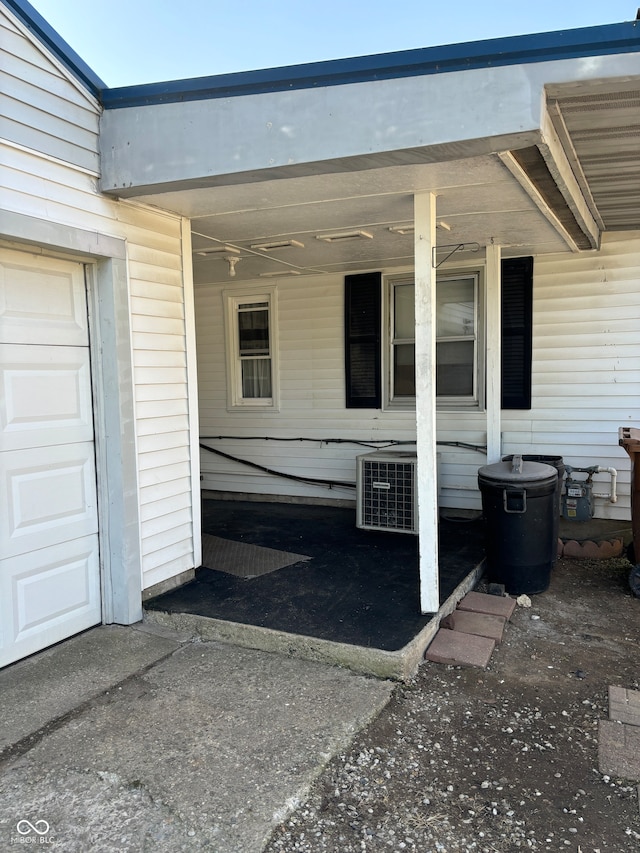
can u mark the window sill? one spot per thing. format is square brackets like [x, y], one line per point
[441, 406]
[252, 407]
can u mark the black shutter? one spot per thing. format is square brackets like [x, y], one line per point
[362, 303]
[517, 317]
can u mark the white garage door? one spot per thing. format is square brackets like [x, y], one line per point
[49, 561]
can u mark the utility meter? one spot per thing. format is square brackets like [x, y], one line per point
[577, 500]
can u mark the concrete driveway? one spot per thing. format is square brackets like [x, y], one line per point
[137, 739]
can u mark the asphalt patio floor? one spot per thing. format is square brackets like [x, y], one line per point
[360, 587]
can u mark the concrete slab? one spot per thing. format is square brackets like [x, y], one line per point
[207, 750]
[453, 647]
[40, 689]
[365, 660]
[493, 605]
[619, 749]
[624, 705]
[481, 624]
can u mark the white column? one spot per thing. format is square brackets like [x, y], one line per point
[493, 354]
[425, 308]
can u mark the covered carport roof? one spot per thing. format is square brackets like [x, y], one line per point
[513, 135]
[529, 142]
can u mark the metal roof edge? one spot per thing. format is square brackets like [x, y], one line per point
[562, 44]
[45, 33]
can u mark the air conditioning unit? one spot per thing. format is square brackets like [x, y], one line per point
[386, 491]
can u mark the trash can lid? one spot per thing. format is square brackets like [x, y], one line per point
[517, 471]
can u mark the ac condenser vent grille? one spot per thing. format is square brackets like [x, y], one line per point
[386, 498]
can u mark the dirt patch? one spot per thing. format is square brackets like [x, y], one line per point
[500, 759]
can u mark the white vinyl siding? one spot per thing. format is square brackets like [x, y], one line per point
[586, 363]
[312, 402]
[586, 367]
[45, 172]
[43, 109]
[160, 374]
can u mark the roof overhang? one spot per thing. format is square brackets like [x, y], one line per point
[500, 130]
[154, 147]
[425, 130]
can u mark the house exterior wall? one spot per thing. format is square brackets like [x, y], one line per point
[312, 404]
[49, 166]
[585, 375]
[585, 363]
[41, 107]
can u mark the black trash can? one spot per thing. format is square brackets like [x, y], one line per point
[556, 462]
[518, 504]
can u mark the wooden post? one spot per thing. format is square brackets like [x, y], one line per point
[425, 311]
[493, 354]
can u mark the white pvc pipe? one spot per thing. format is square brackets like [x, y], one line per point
[612, 496]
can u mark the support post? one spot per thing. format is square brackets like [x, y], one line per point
[493, 314]
[425, 342]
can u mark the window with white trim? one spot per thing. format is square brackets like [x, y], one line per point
[458, 354]
[251, 349]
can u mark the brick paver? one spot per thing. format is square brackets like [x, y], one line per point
[469, 622]
[493, 605]
[624, 705]
[453, 647]
[619, 749]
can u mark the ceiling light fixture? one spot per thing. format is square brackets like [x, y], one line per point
[278, 274]
[402, 229]
[278, 244]
[232, 260]
[409, 228]
[222, 249]
[337, 236]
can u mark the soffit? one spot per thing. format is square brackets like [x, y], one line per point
[478, 201]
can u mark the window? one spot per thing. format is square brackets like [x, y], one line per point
[403, 351]
[458, 307]
[459, 338]
[251, 356]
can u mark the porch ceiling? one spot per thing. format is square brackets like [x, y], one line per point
[479, 201]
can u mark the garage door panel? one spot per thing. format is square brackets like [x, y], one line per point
[42, 301]
[50, 496]
[53, 593]
[49, 545]
[45, 396]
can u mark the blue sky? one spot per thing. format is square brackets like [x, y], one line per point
[141, 41]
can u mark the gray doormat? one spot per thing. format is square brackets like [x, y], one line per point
[242, 559]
